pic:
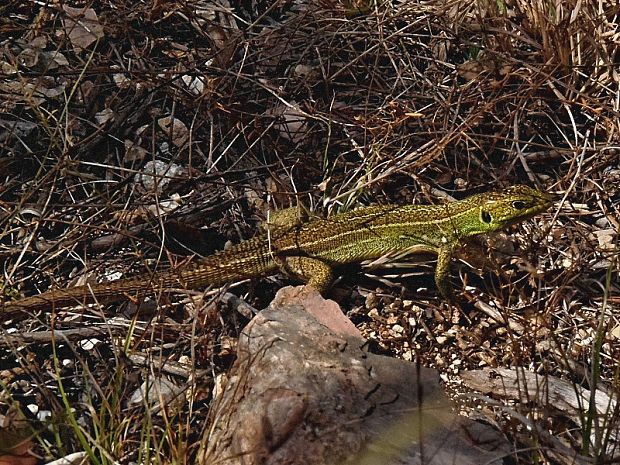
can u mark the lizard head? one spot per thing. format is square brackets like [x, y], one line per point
[516, 203]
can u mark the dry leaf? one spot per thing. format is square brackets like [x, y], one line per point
[606, 239]
[55, 59]
[15, 437]
[291, 123]
[30, 92]
[120, 79]
[176, 129]
[82, 27]
[104, 115]
[133, 152]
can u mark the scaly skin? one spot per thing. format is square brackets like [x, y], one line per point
[309, 251]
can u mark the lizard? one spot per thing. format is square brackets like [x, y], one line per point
[309, 251]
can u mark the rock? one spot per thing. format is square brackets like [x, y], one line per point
[302, 393]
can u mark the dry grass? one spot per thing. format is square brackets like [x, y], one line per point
[329, 103]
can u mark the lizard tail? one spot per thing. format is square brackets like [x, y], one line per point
[208, 271]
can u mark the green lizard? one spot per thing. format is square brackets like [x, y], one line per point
[310, 251]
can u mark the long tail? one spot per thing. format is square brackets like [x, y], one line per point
[241, 262]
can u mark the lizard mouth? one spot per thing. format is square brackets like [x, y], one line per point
[547, 200]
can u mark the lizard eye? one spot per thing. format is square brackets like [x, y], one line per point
[519, 205]
[485, 216]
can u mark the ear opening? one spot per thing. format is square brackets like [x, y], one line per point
[485, 216]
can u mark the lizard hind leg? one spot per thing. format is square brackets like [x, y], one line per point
[312, 271]
[286, 219]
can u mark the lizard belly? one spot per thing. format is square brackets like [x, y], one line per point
[373, 247]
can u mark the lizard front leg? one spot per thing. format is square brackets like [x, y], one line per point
[442, 273]
[312, 271]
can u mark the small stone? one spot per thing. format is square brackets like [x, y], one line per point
[371, 300]
[602, 223]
